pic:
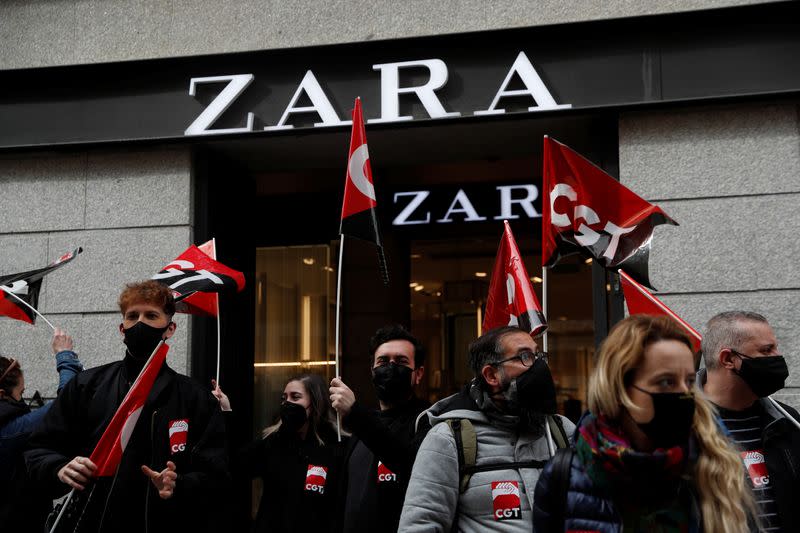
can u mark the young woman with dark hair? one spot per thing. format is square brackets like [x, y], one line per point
[298, 459]
[22, 508]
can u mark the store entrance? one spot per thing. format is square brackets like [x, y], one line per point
[449, 284]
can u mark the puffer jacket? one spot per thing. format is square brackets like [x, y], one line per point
[496, 500]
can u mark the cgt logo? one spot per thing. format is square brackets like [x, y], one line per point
[505, 500]
[756, 468]
[384, 474]
[178, 433]
[316, 476]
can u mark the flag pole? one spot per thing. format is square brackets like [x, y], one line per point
[338, 313]
[784, 412]
[29, 306]
[219, 333]
[544, 305]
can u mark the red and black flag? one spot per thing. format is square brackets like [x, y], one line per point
[359, 216]
[195, 278]
[26, 286]
[588, 211]
[511, 300]
[641, 302]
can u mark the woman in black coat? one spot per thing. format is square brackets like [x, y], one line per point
[298, 459]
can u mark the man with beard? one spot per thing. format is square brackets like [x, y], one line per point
[380, 455]
[477, 467]
[742, 369]
[174, 464]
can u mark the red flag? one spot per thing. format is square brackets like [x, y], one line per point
[511, 300]
[588, 211]
[108, 451]
[195, 278]
[641, 302]
[359, 217]
[26, 286]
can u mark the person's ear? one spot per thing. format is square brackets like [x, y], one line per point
[417, 374]
[121, 329]
[2, 394]
[726, 359]
[171, 327]
[491, 375]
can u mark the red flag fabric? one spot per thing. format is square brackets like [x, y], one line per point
[195, 279]
[359, 216]
[109, 449]
[26, 286]
[512, 301]
[642, 302]
[588, 211]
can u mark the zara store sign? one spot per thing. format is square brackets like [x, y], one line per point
[391, 89]
[477, 203]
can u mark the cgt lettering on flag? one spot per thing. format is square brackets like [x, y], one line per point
[195, 279]
[587, 211]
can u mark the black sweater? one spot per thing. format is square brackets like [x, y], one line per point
[374, 494]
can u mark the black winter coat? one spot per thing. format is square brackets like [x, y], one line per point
[300, 481]
[79, 416]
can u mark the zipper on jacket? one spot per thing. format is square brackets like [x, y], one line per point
[152, 461]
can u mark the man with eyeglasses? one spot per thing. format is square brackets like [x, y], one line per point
[477, 467]
[743, 368]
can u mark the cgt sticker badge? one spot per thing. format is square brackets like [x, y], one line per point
[178, 433]
[505, 500]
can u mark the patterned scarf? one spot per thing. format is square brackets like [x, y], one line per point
[644, 486]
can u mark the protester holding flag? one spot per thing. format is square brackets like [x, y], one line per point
[743, 368]
[21, 508]
[382, 449]
[299, 460]
[649, 455]
[164, 469]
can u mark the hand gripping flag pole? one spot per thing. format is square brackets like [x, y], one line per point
[359, 218]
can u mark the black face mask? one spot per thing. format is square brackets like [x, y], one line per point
[392, 383]
[673, 416]
[141, 339]
[293, 416]
[533, 391]
[764, 375]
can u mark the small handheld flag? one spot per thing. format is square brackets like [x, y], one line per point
[512, 301]
[194, 278]
[641, 302]
[19, 293]
[359, 216]
[586, 210]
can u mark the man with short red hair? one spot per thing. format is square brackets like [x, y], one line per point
[174, 464]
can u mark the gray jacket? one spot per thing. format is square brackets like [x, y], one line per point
[433, 498]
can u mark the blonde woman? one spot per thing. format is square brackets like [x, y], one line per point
[649, 456]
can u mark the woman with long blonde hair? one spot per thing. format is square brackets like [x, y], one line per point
[649, 455]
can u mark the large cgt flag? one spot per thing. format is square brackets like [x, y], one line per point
[26, 286]
[195, 278]
[588, 211]
[511, 300]
[641, 302]
[359, 216]
[109, 449]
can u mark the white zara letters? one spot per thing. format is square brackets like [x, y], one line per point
[391, 90]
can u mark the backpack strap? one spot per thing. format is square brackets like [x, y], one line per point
[559, 484]
[557, 431]
[467, 448]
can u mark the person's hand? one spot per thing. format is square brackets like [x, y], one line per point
[61, 341]
[342, 398]
[224, 402]
[164, 481]
[77, 472]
